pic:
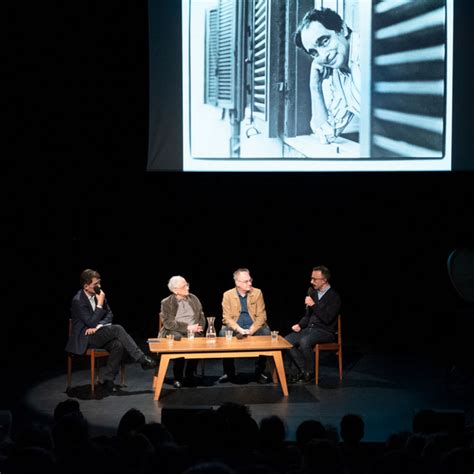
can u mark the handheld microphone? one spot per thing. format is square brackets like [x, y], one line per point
[309, 293]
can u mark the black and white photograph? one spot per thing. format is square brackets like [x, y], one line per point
[238, 237]
[317, 85]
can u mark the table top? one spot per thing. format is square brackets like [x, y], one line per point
[201, 344]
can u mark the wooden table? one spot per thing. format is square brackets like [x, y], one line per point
[200, 348]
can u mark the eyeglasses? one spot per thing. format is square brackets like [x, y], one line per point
[183, 287]
[250, 280]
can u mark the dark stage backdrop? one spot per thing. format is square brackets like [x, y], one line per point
[77, 196]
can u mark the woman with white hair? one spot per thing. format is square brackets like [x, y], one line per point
[181, 312]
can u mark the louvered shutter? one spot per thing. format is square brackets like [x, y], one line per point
[259, 64]
[210, 94]
[409, 78]
[226, 40]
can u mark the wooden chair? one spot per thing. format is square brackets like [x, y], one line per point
[329, 346]
[93, 354]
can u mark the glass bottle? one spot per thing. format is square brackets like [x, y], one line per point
[211, 330]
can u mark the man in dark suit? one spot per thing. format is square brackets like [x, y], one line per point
[92, 327]
[318, 325]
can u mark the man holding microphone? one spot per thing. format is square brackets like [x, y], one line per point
[318, 325]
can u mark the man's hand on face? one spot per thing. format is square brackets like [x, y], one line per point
[317, 75]
[101, 298]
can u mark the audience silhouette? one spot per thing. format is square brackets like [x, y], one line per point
[228, 440]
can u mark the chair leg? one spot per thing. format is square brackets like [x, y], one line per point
[97, 369]
[92, 373]
[316, 365]
[69, 370]
[122, 374]
[339, 353]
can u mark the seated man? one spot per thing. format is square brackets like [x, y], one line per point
[318, 325]
[180, 313]
[92, 328]
[243, 311]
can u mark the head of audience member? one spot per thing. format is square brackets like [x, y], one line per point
[243, 280]
[67, 406]
[178, 286]
[325, 37]
[137, 452]
[320, 277]
[352, 428]
[272, 433]
[132, 420]
[171, 458]
[70, 432]
[308, 430]
[238, 427]
[156, 433]
[322, 455]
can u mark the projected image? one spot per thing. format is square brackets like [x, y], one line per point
[317, 85]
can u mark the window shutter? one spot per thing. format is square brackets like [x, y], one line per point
[259, 64]
[226, 41]
[409, 79]
[210, 94]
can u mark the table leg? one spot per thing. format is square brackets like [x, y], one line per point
[273, 371]
[278, 360]
[160, 377]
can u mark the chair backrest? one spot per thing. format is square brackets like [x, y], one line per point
[339, 332]
[461, 273]
[160, 324]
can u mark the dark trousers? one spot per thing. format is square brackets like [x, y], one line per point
[301, 354]
[117, 341]
[260, 363]
[178, 368]
[178, 365]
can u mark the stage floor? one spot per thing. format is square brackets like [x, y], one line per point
[385, 389]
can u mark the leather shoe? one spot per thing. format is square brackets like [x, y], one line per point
[306, 377]
[177, 384]
[110, 388]
[147, 363]
[295, 378]
[227, 378]
[261, 378]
